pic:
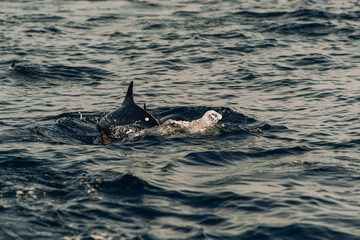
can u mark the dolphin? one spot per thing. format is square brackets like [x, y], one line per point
[12, 67]
[129, 113]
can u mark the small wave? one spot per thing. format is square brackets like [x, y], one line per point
[201, 60]
[306, 61]
[307, 29]
[312, 59]
[73, 131]
[128, 185]
[52, 73]
[62, 129]
[14, 159]
[37, 18]
[105, 18]
[185, 13]
[117, 35]
[213, 158]
[254, 14]
[76, 73]
[226, 35]
[302, 14]
[28, 72]
[155, 26]
[312, 13]
[296, 231]
[226, 158]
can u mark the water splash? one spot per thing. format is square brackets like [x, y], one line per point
[129, 132]
[134, 132]
[201, 125]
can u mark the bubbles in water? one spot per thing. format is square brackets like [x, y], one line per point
[126, 131]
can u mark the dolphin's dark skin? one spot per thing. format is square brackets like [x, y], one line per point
[128, 113]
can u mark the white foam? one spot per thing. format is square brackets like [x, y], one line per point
[171, 127]
[126, 131]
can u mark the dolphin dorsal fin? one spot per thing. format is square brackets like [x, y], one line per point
[129, 94]
[12, 67]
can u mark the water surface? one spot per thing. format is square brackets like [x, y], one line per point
[282, 163]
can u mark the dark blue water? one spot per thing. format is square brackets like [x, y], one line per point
[282, 163]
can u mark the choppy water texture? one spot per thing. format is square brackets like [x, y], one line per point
[282, 163]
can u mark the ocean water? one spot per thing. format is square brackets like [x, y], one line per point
[282, 163]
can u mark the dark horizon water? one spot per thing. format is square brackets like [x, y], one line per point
[282, 163]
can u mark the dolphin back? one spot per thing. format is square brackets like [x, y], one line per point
[126, 115]
[129, 113]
